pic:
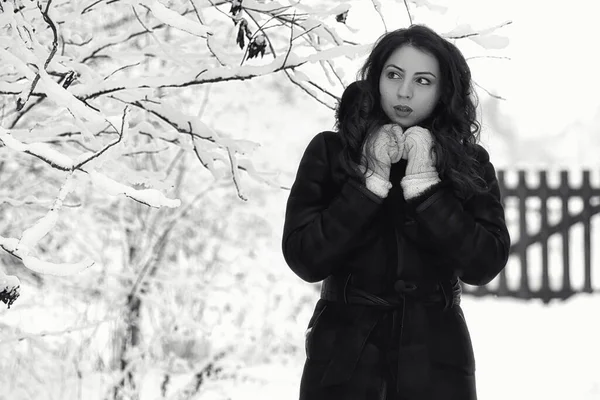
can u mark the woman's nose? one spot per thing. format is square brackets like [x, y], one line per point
[405, 89]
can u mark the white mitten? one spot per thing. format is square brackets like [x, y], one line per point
[386, 147]
[421, 173]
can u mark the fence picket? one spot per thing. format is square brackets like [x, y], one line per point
[565, 232]
[543, 194]
[586, 195]
[522, 191]
[524, 291]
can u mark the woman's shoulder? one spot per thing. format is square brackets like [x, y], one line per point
[328, 137]
[327, 141]
[481, 154]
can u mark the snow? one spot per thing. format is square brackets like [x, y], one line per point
[523, 350]
[42, 150]
[175, 19]
[151, 197]
[31, 236]
[56, 269]
[8, 282]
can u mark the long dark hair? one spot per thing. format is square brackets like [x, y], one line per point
[356, 118]
[452, 123]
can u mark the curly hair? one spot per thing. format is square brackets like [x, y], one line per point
[452, 123]
[355, 121]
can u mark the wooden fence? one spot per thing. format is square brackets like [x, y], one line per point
[523, 239]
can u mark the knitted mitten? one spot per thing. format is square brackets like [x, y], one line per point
[421, 173]
[386, 147]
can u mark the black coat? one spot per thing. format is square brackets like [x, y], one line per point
[335, 227]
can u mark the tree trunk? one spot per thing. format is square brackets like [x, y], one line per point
[130, 341]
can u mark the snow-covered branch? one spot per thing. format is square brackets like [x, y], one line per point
[484, 37]
[87, 86]
[29, 336]
[218, 74]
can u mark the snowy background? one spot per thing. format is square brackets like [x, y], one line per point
[58, 340]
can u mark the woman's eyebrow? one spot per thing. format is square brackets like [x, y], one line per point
[417, 73]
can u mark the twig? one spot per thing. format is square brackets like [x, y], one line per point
[119, 41]
[292, 79]
[218, 9]
[108, 146]
[234, 168]
[89, 7]
[120, 69]
[488, 92]
[408, 12]
[288, 73]
[466, 35]
[46, 17]
[377, 7]
[289, 50]
[324, 90]
[196, 152]
[496, 57]
[207, 36]
[22, 114]
[20, 338]
[306, 32]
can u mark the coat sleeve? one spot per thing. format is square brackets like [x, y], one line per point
[320, 225]
[473, 236]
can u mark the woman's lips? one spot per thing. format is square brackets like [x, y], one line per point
[403, 111]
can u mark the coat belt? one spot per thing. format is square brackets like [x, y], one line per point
[408, 299]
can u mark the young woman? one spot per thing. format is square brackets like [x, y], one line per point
[391, 212]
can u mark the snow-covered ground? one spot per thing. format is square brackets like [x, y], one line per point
[524, 351]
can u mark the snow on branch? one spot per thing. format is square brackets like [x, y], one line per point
[9, 287]
[33, 235]
[485, 37]
[149, 197]
[42, 151]
[22, 248]
[56, 269]
[427, 4]
[22, 337]
[218, 74]
[198, 131]
[176, 20]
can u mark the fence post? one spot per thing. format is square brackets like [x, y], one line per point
[502, 285]
[564, 190]
[544, 195]
[586, 196]
[524, 291]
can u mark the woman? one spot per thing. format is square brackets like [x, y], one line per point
[390, 212]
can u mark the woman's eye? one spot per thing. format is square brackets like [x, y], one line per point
[424, 81]
[392, 75]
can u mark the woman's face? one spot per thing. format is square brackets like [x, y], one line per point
[409, 85]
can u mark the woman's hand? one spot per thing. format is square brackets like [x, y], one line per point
[421, 172]
[417, 150]
[386, 147]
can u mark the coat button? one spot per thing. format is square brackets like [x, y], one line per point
[401, 286]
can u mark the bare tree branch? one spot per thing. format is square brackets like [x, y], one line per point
[470, 34]
[377, 7]
[20, 338]
[108, 146]
[488, 92]
[492, 57]
[410, 19]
